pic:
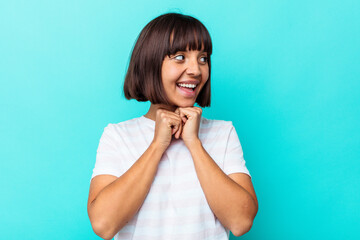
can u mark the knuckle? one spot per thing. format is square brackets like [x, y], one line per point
[159, 113]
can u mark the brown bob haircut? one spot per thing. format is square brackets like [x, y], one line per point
[164, 35]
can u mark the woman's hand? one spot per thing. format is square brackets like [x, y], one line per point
[191, 117]
[166, 124]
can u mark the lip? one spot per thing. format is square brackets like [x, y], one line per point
[186, 93]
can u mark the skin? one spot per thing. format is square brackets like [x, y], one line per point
[114, 201]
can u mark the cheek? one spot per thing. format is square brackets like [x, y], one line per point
[168, 81]
[171, 73]
[205, 74]
[170, 77]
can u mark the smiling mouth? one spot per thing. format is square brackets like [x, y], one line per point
[187, 92]
[187, 87]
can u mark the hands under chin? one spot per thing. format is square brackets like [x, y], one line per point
[191, 117]
[183, 123]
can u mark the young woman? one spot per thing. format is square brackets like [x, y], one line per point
[171, 174]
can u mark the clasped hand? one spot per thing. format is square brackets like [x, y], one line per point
[183, 123]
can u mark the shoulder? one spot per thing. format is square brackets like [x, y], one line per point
[215, 129]
[213, 124]
[121, 127]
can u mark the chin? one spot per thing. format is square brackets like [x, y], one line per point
[185, 105]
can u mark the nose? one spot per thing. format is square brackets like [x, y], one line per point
[193, 67]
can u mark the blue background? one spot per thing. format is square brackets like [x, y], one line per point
[285, 72]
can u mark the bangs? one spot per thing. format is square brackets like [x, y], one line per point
[189, 34]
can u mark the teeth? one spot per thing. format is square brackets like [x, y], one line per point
[187, 85]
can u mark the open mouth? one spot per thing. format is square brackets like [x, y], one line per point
[187, 87]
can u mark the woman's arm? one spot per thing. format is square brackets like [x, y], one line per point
[114, 201]
[233, 203]
[232, 199]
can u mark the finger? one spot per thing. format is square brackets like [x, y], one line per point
[174, 123]
[187, 113]
[177, 114]
[177, 111]
[193, 109]
[175, 129]
[177, 135]
[198, 109]
[178, 127]
[168, 113]
[182, 115]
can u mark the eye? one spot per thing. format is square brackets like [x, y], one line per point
[179, 57]
[204, 59]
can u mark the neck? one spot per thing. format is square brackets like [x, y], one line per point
[151, 114]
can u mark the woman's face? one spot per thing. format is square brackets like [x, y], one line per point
[184, 67]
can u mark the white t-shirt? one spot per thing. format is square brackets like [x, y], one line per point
[175, 207]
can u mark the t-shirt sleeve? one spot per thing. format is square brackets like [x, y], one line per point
[234, 161]
[108, 156]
